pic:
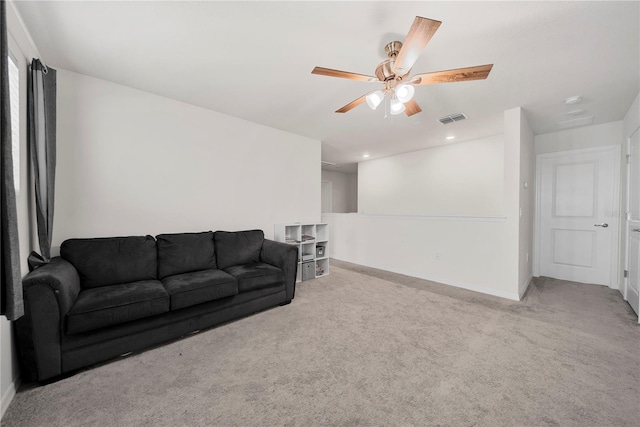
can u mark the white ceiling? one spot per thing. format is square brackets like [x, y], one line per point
[254, 59]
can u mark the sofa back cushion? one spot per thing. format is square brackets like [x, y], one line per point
[112, 260]
[184, 253]
[238, 247]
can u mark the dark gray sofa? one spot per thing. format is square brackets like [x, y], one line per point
[105, 297]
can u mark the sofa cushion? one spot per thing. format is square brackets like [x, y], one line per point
[185, 252]
[256, 275]
[113, 260]
[238, 247]
[199, 286]
[115, 304]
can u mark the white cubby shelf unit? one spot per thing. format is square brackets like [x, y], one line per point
[312, 241]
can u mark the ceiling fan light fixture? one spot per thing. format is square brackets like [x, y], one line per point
[396, 107]
[404, 92]
[374, 99]
[393, 73]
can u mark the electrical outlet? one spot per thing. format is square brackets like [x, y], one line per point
[437, 255]
[526, 257]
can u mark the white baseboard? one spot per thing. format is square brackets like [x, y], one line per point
[634, 300]
[470, 287]
[523, 288]
[8, 395]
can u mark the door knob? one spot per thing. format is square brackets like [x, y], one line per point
[603, 225]
[637, 230]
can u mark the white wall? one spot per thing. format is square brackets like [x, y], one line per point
[467, 253]
[527, 204]
[460, 179]
[344, 190]
[132, 163]
[514, 121]
[605, 134]
[581, 137]
[630, 123]
[461, 246]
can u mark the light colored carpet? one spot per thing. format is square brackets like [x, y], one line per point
[366, 347]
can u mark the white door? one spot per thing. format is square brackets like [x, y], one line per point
[577, 215]
[632, 293]
[326, 195]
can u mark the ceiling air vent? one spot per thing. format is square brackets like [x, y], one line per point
[452, 118]
[582, 121]
[325, 163]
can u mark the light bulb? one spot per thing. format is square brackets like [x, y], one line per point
[374, 99]
[404, 92]
[396, 107]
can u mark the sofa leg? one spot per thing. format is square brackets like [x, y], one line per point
[285, 303]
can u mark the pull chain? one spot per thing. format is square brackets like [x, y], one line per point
[386, 107]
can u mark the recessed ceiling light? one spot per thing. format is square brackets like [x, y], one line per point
[451, 137]
[573, 100]
[365, 155]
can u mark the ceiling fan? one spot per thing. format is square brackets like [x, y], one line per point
[394, 72]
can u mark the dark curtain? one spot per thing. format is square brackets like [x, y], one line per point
[41, 104]
[11, 303]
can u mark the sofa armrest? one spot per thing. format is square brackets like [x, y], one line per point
[61, 278]
[285, 257]
[49, 293]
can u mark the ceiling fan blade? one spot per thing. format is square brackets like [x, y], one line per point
[343, 74]
[419, 35]
[458, 75]
[411, 107]
[352, 104]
